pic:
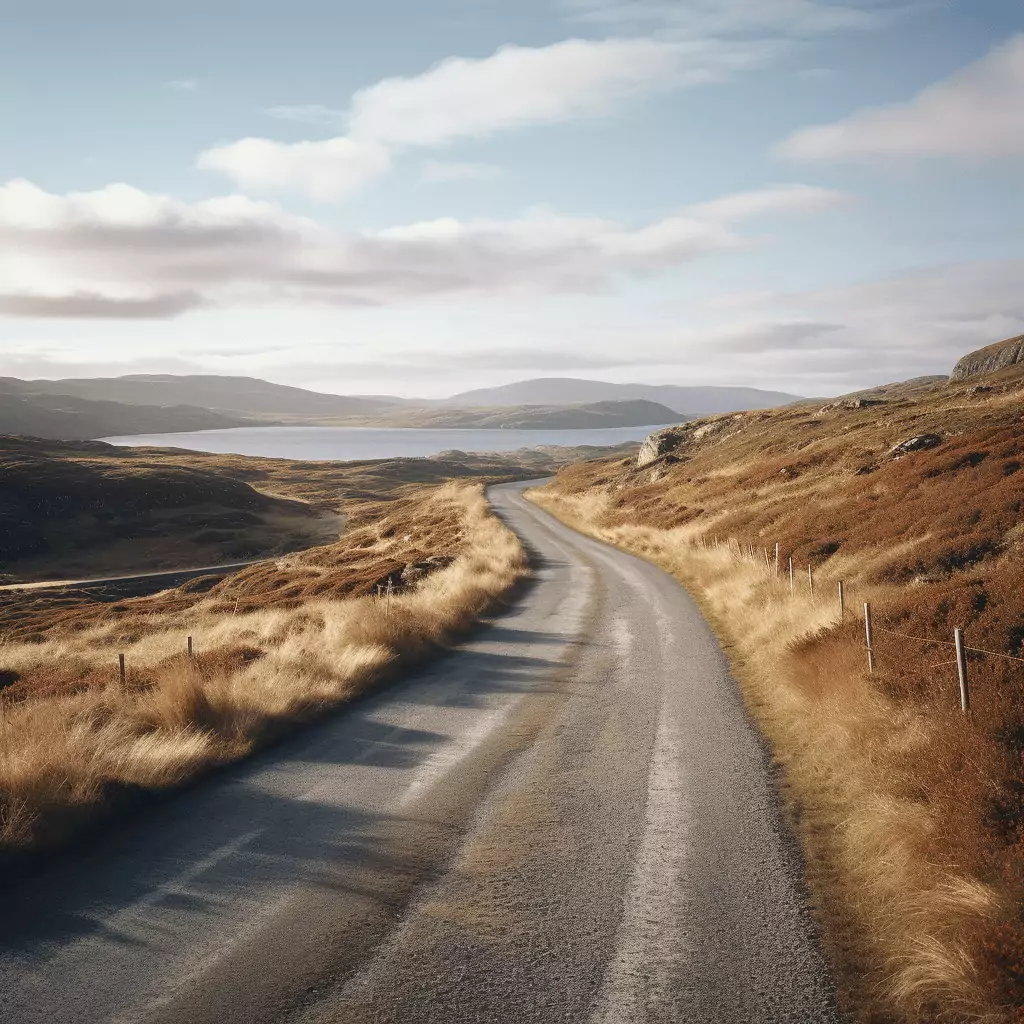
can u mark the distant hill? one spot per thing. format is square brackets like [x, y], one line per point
[79, 408]
[63, 417]
[569, 390]
[636, 413]
[84, 508]
[247, 396]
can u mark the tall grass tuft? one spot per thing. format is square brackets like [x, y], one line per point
[894, 792]
[72, 739]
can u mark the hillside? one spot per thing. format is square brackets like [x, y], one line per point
[568, 390]
[637, 413]
[24, 410]
[911, 813]
[1000, 356]
[72, 510]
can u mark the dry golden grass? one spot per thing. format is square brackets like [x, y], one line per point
[72, 739]
[911, 815]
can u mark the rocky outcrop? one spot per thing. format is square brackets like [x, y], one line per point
[850, 403]
[663, 442]
[660, 443]
[920, 443]
[999, 356]
[669, 441]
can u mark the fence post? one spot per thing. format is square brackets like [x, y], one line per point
[810, 579]
[120, 667]
[867, 634]
[961, 667]
[767, 560]
[776, 558]
[842, 602]
[190, 647]
[792, 581]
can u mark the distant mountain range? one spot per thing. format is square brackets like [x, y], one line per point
[690, 401]
[164, 403]
[236, 396]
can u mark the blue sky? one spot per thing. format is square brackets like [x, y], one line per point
[420, 197]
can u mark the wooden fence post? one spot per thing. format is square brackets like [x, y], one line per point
[792, 581]
[190, 647]
[842, 602]
[120, 667]
[776, 558]
[867, 634]
[810, 579]
[961, 667]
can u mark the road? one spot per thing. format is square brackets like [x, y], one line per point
[570, 818]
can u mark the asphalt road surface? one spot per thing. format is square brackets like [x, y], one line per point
[570, 818]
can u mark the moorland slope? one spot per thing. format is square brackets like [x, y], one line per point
[73, 509]
[277, 643]
[911, 813]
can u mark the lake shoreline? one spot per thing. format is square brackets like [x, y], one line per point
[344, 444]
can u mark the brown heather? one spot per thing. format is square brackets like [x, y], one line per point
[911, 814]
[277, 645]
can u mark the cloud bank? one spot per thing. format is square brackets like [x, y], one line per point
[977, 114]
[122, 252]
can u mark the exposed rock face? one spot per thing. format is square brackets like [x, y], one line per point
[671, 439]
[990, 359]
[660, 443]
[915, 444]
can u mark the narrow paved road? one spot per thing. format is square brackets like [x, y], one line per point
[568, 819]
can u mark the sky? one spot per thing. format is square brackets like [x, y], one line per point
[417, 197]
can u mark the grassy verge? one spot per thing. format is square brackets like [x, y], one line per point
[276, 645]
[910, 813]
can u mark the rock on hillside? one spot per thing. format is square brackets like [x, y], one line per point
[995, 357]
[661, 442]
[671, 439]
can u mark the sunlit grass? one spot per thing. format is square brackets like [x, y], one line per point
[72, 738]
[909, 811]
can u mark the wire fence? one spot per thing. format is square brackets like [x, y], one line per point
[776, 568]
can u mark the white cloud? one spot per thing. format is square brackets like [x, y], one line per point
[521, 85]
[122, 252]
[308, 113]
[445, 171]
[325, 170]
[772, 199]
[182, 84]
[462, 98]
[976, 114]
